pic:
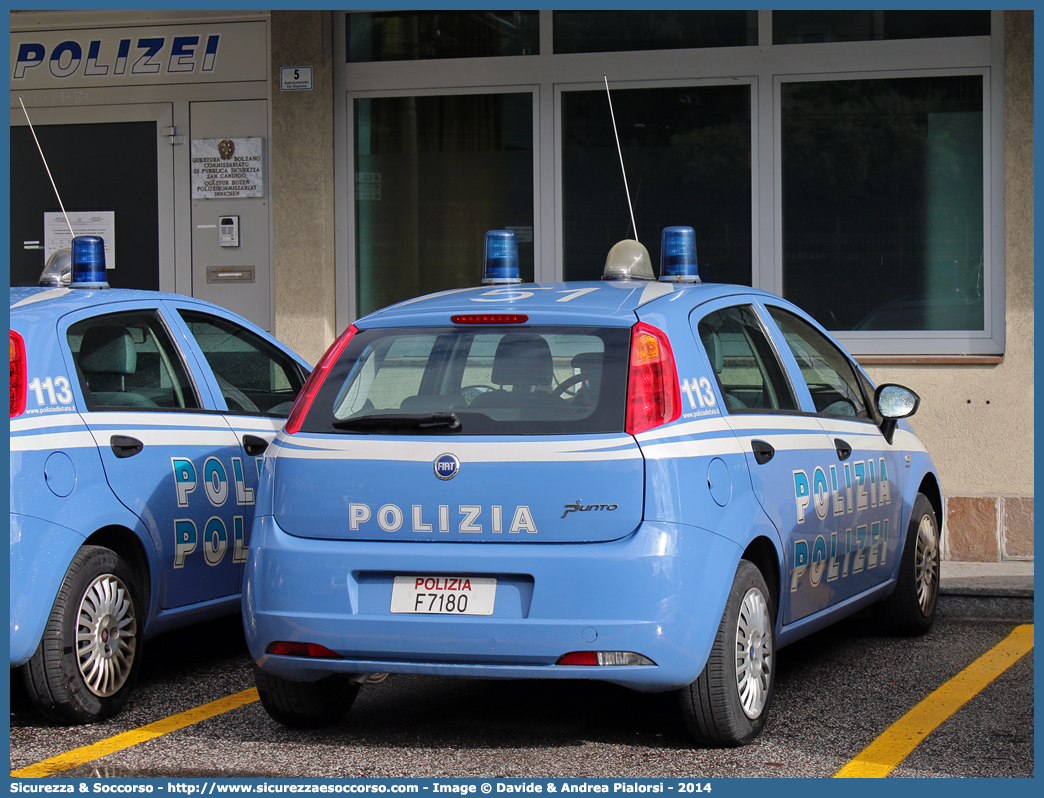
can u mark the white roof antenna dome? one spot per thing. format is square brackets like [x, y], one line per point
[628, 260]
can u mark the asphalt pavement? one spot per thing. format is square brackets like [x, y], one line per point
[838, 691]
[1001, 590]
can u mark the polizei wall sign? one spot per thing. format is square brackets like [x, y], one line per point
[227, 168]
[164, 54]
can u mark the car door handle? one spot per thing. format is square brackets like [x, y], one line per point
[763, 452]
[125, 446]
[254, 446]
[843, 449]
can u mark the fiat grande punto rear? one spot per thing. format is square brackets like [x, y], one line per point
[573, 481]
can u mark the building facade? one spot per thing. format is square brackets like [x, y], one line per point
[306, 167]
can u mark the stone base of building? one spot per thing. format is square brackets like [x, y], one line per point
[988, 528]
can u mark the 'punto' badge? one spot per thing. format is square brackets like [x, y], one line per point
[446, 466]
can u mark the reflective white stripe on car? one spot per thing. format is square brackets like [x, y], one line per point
[74, 439]
[184, 419]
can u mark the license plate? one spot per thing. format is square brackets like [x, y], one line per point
[444, 595]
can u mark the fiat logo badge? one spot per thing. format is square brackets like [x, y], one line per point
[446, 466]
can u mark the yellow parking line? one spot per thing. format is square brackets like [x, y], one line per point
[885, 753]
[89, 753]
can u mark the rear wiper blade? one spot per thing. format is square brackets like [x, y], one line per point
[402, 421]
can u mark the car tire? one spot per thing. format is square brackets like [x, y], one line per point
[910, 609]
[305, 705]
[729, 701]
[83, 669]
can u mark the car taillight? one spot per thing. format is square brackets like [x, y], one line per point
[18, 371]
[653, 396]
[315, 381]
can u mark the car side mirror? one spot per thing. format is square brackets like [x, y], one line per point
[894, 402]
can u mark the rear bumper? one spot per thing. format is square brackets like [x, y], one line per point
[659, 592]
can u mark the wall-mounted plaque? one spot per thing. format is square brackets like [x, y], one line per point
[227, 168]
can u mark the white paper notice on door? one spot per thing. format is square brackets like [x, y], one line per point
[84, 223]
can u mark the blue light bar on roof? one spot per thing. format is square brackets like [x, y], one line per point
[88, 263]
[678, 255]
[500, 263]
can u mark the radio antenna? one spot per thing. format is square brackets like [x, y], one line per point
[42, 158]
[619, 151]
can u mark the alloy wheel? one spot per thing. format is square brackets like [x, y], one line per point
[925, 565]
[753, 652]
[106, 635]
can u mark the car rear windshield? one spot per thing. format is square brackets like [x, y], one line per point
[476, 381]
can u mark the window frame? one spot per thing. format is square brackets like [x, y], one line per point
[765, 66]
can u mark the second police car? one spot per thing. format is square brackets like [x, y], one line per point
[652, 483]
[137, 423]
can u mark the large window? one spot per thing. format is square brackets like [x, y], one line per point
[433, 174]
[687, 155]
[883, 202]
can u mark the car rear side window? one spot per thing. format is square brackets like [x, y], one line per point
[127, 361]
[750, 376]
[476, 381]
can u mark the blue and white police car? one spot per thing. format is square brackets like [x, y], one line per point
[137, 423]
[657, 483]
